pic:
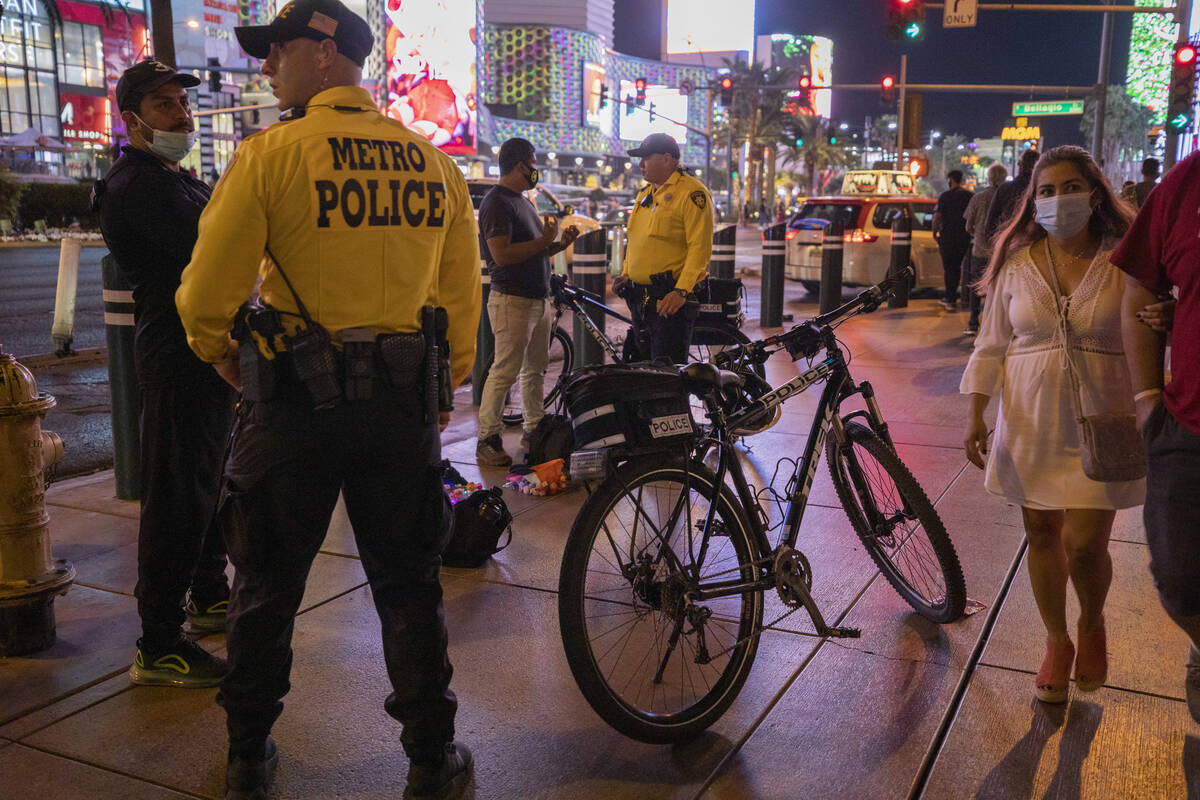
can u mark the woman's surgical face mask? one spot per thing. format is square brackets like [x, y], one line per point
[1064, 215]
[171, 145]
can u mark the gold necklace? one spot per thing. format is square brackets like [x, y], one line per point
[1082, 254]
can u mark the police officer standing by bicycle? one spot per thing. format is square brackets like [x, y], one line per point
[670, 245]
[360, 231]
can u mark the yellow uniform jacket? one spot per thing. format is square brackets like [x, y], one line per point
[369, 221]
[671, 228]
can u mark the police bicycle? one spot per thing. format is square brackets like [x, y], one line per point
[666, 570]
[709, 339]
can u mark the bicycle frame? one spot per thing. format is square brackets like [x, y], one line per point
[833, 369]
[567, 296]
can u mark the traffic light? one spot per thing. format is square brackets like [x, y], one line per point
[799, 142]
[1183, 89]
[805, 86]
[906, 20]
[917, 166]
[887, 91]
[214, 75]
[603, 96]
[640, 86]
[726, 91]
[652, 111]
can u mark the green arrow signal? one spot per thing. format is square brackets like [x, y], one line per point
[913, 30]
[1179, 123]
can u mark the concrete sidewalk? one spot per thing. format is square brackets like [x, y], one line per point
[910, 709]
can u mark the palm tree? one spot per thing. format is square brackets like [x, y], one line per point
[811, 147]
[752, 114]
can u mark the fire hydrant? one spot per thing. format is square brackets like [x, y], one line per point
[29, 577]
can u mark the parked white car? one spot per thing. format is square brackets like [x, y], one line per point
[867, 223]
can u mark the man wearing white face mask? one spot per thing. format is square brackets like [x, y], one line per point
[149, 212]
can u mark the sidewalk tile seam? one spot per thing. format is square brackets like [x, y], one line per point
[128, 687]
[1109, 686]
[52, 503]
[97, 588]
[112, 771]
[65, 695]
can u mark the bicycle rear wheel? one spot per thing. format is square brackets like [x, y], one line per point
[562, 359]
[897, 524]
[655, 665]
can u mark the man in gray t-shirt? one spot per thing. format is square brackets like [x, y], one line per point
[981, 251]
[517, 246]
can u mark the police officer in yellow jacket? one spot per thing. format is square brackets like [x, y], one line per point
[357, 228]
[670, 244]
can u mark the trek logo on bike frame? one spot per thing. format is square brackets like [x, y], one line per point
[672, 425]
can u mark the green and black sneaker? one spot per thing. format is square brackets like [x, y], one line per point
[184, 664]
[205, 618]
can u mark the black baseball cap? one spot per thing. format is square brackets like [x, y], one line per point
[656, 143]
[146, 76]
[311, 19]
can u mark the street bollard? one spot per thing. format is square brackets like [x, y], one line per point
[774, 249]
[901, 258]
[724, 248]
[618, 250]
[62, 333]
[831, 266]
[122, 379]
[29, 577]
[485, 341]
[589, 272]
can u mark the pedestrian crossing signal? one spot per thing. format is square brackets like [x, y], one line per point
[640, 87]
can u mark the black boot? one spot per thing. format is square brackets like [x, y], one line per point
[247, 775]
[441, 781]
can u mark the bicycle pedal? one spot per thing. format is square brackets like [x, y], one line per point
[845, 633]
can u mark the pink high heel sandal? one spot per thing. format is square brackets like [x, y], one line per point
[1054, 678]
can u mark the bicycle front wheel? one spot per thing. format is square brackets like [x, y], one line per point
[562, 360]
[897, 524]
[655, 663]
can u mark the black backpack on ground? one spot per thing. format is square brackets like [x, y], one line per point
[479, 521]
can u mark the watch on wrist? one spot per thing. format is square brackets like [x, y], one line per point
[682, 292]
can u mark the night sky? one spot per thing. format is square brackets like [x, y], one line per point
[1007, 47]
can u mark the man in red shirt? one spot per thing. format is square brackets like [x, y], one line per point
[1161, 252]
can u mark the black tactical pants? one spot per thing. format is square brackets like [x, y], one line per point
[286, 467]
[184, 430]
[658, 336]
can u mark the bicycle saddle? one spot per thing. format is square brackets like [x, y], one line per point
[699, 376]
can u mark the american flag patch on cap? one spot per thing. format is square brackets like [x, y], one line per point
[324, 24]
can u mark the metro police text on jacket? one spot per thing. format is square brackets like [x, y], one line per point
[374, 201]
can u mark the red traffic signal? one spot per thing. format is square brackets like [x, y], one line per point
[1182, 90]
[726, 91]
[805, 83]
[640, 86]
[887, 90]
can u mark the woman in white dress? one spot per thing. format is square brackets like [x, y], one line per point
[1068, 221]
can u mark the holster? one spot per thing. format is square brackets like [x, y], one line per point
[403, 357]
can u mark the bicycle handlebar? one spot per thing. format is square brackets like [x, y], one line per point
[868, 300]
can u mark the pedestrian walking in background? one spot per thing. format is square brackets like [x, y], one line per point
[517, 246]
[1007, 196]
[670, 245]
[1160, 252]
[1052, 261]
[950, 233]
[977, 258]
[1149, 180]
[337, 391]
[149, 211]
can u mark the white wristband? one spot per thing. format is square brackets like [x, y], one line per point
[1146, 393]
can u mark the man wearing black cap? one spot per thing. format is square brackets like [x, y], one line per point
[355, 225]
[149, 210]
[670, 244]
